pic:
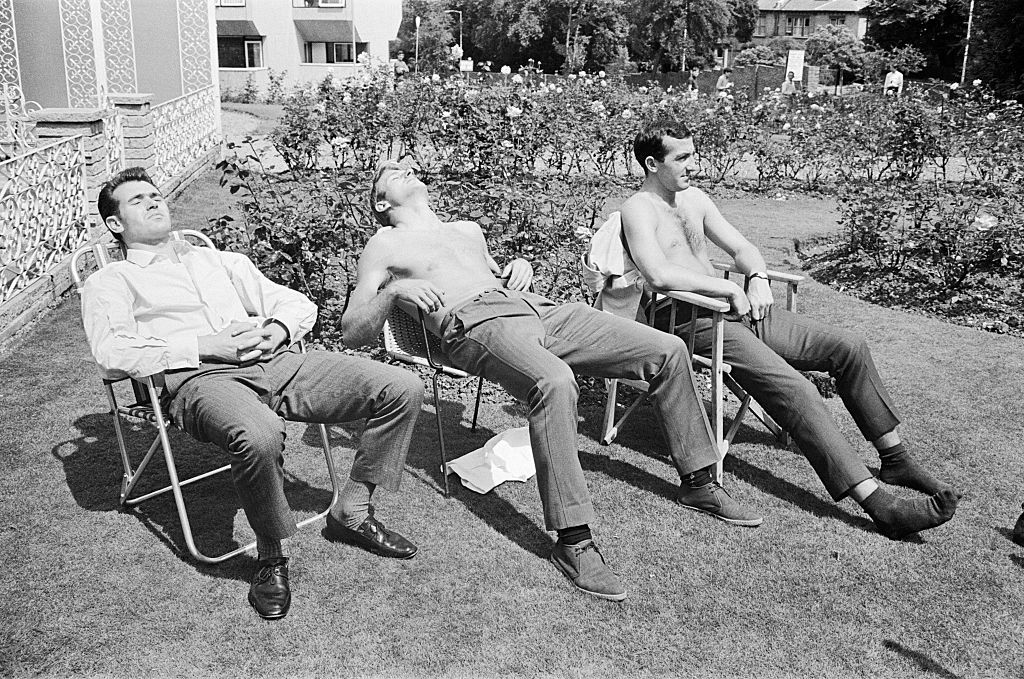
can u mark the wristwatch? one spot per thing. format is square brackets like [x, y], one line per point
[757, 274]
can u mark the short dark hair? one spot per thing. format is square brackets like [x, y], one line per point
[727, 70]
[107, 204]
[649, 141]
[375, 196]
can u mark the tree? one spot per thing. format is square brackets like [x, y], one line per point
[436, 34]
[835, 47]
[659, 26]
[758, 54]
[906, 59]
[936, 27]
[744, 19]
[996, 54]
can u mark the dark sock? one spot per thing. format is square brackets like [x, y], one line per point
[574, 535]
[900, 469]
[897, 518]
[701, 477]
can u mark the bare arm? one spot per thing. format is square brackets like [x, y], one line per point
[747, 257]
[639, 220]
[370, 303]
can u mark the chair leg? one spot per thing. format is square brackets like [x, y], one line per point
[440, 435]
[476, 408]
[608, 428]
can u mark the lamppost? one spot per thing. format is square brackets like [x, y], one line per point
[417, 44]
[459, 12]
[967, 42]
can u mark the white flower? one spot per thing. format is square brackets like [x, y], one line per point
[604, 83]
[816, 107]
[436, 78]
[347, 99]
[707, 110]
[507, 144]
[984, 221]
[552, 87]
[627, 114]
[381, 107]
[446, 114]
[991, 116]
[758, 108]
[584, 232]
[600, 74]
[513, 112]
[597, 107]
[558, 90]
[517, 78]
[643, 90]
[976, 82]
[582, 73]
[505, 70]
[786, 126]
[817, 126]
[856, 122]
[954, 86]
[572, 76]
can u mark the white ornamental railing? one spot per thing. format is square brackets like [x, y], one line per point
[42, 212]
[185, 129]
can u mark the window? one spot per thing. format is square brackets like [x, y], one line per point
[307, 53]
[837, 19]
[253, 54]
[239, 52]
[762, 25]
[798, 26]
[230, 3]
[319, 3]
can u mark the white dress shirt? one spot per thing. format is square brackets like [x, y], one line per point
[144, 315]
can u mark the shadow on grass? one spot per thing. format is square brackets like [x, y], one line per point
[646, 420]
[92, 467]
[923, 662]
[492, 509]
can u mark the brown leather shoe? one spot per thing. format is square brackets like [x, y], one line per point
[269, 593]
[371, 535]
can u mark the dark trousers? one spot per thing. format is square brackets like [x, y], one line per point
[765, 357]
[242, 410]
[531, 346]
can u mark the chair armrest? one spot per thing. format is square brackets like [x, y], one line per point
[772, 275]
[709, 303]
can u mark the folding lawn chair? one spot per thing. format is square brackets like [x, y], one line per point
[406, 339]
[148, 408]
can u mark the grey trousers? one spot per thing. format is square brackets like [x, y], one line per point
[765, 357]
[531, 346]
[242, 410]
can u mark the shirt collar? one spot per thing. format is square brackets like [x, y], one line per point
[144, 258]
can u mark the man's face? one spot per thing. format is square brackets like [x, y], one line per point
[142, 215]
[399, 186]
[674, 171]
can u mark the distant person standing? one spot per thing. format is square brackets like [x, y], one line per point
[691, 86]
[401, 68]
[789, 89]
[893, 86]
[724, 85]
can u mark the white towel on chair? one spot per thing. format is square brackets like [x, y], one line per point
[505, 457]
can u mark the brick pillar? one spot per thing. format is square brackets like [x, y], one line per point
[55, 123]
[137, 126]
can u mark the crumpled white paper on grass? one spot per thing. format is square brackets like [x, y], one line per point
[505, 457]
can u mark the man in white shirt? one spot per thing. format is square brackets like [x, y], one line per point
[893, 85]
[222, 335]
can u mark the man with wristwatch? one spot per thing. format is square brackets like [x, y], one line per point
[666, 227]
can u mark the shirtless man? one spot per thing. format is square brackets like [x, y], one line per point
[666, 225]
[492, 326]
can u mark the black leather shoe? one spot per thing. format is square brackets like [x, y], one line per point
[269, 593]
[373, 536]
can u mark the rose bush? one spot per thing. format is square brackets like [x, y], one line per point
[535, 163]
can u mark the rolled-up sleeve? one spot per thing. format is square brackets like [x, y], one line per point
[114, 337]
[262, 297]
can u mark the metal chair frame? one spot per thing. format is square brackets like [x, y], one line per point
[715, 364]
[143, 411]
[406, 340]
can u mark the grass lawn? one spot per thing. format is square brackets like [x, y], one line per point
[814, 592]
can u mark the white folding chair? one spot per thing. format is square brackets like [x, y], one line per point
[148, 409]
[715, 365]
[406, 339]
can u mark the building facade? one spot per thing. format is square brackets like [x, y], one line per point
[300, 40]
[798, 19]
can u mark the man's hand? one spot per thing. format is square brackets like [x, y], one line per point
[759, 294]
[275, 334]
[420, 293]
[739, 302]
[518, 275]
[240, 342]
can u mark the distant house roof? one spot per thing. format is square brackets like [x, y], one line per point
[231, 28]
[832, 6]
[327, 30]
